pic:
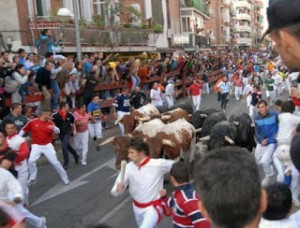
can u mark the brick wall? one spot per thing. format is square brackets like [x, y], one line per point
[174, 15]
[56, 4]
[214, 23]
[23, 13]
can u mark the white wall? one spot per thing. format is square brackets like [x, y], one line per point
[9, 26]
[162, 41]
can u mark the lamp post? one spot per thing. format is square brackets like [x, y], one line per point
[64, 15]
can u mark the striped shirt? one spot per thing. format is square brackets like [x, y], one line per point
[186, 212]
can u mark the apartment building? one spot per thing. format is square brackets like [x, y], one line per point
[248, 23]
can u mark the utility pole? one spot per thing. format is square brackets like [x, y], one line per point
[77, 31]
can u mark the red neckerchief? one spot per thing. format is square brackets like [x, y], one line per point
[62, 113]
[10, 136]
[147, 159]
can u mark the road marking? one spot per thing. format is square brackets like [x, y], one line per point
[111, 213]
[60, 189]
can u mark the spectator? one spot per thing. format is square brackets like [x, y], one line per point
[81, 134]
[16, 116]
[278, 209]
[64, 120]
[89, 87]
[22, 53]
[238, 204]
[21, 76]
[73, 85]
[46, 44]
[184, 200]
[138, 98]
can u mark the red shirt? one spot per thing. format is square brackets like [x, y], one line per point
[195, 89]
[41, 134]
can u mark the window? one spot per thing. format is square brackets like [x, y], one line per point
[42, 8]
[186, 24]
[86, 9]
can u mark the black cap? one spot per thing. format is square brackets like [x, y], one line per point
[282, 13]
[295, 151]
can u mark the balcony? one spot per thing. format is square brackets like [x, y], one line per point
[244, 41]
[243, 28]
[199, 5]
[243, 4]
[93, 36]
[243, 16]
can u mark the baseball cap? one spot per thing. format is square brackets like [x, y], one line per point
[282, 13]
[295, 151]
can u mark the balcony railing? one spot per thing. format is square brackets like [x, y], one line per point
[244, 41]
[243, 16]
[245, 4]
[243, 28]
[197, 4]
[96, 36]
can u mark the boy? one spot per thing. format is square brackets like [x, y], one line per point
[184, 200]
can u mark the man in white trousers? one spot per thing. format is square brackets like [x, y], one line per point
[42, 129]
[169, 93]
[12, 193]
[238, 87]
[266, 128]
[195, 90]
[19, 145]
[81, 133]
[144, 176]
[122, 104]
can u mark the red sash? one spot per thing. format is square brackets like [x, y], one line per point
[156, 204]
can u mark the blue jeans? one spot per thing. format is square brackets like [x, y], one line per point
[23, 90]
[66, 148]
[56, 93]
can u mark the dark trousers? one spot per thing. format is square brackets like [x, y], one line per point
[224, 100]
[66, 148]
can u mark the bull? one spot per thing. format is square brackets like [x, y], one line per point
[211, 121]
[130, 120]
[223, 133]
[185, 105]
[246, 130]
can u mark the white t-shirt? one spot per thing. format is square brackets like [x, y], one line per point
[291, 222]
[156, 98]
[145, 182]
[287, 122]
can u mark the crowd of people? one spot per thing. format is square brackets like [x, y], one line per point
[228, 192]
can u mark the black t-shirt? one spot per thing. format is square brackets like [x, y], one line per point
[138, 99]
[90, 84]
[205, 78]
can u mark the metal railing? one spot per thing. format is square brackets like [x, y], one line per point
[198, 4]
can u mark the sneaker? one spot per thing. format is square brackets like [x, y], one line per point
[223, 110]
[296, 202]
[44, 220]
[67, 182]
[83, 163]
[31, 182]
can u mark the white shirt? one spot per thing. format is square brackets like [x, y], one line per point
[146, 182]
[9, 186]
[155, 95]
[287, 122]
[169, 91]
[291, 222]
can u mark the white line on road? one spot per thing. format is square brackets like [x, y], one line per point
[111, 213]
[59, 189]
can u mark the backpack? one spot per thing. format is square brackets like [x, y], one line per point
[10, 84]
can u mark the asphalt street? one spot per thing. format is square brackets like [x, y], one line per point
[87, 200]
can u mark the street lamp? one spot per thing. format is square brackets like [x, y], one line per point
[64, 15]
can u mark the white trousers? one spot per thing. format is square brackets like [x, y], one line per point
[23, 174]
[145, 217]
[263, 157]
[169, 100]
[81, 142]
[197, 102]
[49, 152]
[30, 218]
[206, 88]
[121, 126]
[238, 91]
[252, 111]
[95, 129]
[270, 95]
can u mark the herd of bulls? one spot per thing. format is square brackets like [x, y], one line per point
[175, 132]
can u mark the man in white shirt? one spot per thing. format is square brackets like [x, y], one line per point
[278, 209]
[155, 95]
[144, 176]
[169, 93]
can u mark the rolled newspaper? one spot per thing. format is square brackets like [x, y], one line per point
[123, 169]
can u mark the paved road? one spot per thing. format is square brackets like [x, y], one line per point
[87, 199]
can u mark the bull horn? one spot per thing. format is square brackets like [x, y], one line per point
[198, 130]
[206, 138]
[107, 141]
[142, 119]
[236, 123]
[166, 117]
[229, 140]
[203, 115]
[168, 142]
[119, 120]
